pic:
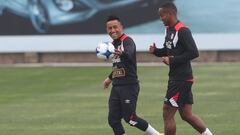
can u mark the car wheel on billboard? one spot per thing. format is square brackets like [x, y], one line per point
[39, 16]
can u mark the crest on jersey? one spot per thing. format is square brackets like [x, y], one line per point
[169, 44]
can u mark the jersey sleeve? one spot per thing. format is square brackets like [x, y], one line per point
[110, 76]
[190, 49]
[129, 49]
[160, 52]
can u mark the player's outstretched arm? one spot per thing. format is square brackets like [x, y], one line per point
[159, 52]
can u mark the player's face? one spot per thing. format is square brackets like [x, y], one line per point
[114, 29]
[165, 16]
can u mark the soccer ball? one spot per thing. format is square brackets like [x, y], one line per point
[105, 50]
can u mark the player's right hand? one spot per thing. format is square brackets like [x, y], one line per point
[152, 48]
[106, 82]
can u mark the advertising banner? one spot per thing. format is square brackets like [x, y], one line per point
[34, 17]
[78, 25]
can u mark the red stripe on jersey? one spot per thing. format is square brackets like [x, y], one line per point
[179, 25]
[123, 37]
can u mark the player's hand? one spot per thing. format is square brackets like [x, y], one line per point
[117, 52]
[152, 48]
[166, 59]
[106, 82]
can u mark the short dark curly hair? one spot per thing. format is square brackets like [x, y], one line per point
[113, 17]
[169, 5]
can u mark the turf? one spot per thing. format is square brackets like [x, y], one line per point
[71, 100]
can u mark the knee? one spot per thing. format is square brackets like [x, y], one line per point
[186, 118]
[113, 122]
[131, 119]
[165, 115]
[168, 113]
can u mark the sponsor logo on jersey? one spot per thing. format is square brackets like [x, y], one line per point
[116, 60]
[169, 44]
[118, 72]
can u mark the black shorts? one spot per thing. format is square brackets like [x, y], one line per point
[123, 100]
[179, 93]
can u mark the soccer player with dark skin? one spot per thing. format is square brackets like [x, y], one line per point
[178, 51]
[125, 85]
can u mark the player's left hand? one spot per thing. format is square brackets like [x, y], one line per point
[106, 82]
[166, 59]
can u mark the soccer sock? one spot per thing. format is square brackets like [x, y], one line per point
[140, 123]
[151, 131]
[207, 132]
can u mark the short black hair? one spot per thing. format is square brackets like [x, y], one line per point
[113, 17]
[169, 5]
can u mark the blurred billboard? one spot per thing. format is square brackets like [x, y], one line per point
[78, 25]
[27, 17]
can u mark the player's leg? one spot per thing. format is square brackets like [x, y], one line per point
[185, 109]
[170, 107]
[169, 121]
[129, 96]
[187, 115]
[114, 115]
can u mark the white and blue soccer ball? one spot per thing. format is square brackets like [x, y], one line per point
[105, 50]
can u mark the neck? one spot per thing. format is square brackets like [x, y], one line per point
[119, 37]
[173, 22]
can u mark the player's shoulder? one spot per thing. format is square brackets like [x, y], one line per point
[126, 37]
[184, 31]
[128, 40]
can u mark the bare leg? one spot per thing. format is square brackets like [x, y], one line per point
[193, 120]
[169, 121]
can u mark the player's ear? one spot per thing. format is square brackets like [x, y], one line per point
[107, 30]
[121, 26]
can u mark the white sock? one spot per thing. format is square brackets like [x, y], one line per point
[151, 131]
[207, 132]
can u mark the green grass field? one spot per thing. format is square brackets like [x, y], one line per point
[71, 101]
